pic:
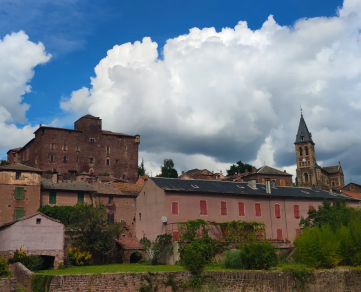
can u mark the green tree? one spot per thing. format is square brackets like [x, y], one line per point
[61, 213]
[141, 168]
[168, 170]
[4, 162]
[91, 231]
[239, 168]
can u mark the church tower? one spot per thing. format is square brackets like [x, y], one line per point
[305, 156]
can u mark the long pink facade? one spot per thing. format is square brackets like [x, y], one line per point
[153, 203]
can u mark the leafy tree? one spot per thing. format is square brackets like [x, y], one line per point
[61, 213]
[239, 168]
[91, 231]
[168, 170]
[4, 162]
[141, 168]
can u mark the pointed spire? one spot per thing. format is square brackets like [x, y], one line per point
[303, 135]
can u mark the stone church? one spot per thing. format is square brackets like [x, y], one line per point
[309, 173]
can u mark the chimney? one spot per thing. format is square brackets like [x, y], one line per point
[246, 171]
[54, 178]
[182, 172]
[252, 184]
[253, 169]
[268, 186]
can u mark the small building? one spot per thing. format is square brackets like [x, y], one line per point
[37, 234]
[131, 250]
[279, 208]
[201, 174]
[280, 178]
[19, 191]
[352, 189]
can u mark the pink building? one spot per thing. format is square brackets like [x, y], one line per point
[280, 208]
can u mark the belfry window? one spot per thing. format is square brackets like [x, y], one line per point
[302, 138]
[306, 150]
[300, 149]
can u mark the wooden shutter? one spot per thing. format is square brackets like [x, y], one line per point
[258, 209]
[241, 209]
[223, 208]
[279, 234]
[175, 208]
[282, 182]
[277, 210]
[203, 205]
[175, 235]
[19, 193]
[80, 198]
[52, 197]
[18, 213]
[296, 211]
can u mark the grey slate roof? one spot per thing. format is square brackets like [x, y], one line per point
[240, 188]
[19, 167]
[27, 217]
[66, 185]
[272, 171]
[303, 132]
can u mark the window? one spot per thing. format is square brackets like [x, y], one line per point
[18, 175]
[175, 235]
[77, 158]
[107, 161]
[51, 158]
[241, 209]
[110, 200]
[258, 209]
[175, 208]
[277, 210]
[18, 213]
[108, 150]
[117, 161]
[92, 140]
[140, 216]
[52, 197]
[19, 193]
[77, 148]
[110, 217]
[302, 138]
[306, 150]
[279, 234]
[38, 220]
[333, 183]
[223, 208]
[65, 147]
[203, 206]
[52, 146]
[64, 159]
[296, 211]
[300, 149]
[81, 198]
[311, 207]
[91, 160]
[282, 182]
[306, 177]
[124, 176]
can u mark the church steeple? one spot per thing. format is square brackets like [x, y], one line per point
[303, 135]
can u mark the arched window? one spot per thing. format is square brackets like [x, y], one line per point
[300, 149]
[306, 177]
[306, 150]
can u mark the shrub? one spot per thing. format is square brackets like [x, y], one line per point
[4, 268]
[258, 255]
[318, 248]
[192, 257]
[78, 257]
[233, 260]
[61, 266]
[33, 263]
[162, 246]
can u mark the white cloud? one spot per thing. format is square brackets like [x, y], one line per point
[223, 94]
[18, 57]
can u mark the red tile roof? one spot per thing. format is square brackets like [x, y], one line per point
[130, 243]
[352, 194]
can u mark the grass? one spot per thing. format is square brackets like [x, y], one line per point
[20, 288]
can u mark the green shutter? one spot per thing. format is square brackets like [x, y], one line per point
[18, 213]
[52, 197]
[19, 193]
[80, 198]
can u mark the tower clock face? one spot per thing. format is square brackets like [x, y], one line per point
[304, 160]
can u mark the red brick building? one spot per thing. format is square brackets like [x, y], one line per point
[85, 148]
[260, 175]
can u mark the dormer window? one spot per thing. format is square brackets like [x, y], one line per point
[302, 138]
[195, 186]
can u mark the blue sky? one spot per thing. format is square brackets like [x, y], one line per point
[221, 95]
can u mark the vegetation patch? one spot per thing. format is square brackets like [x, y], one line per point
[40, 283]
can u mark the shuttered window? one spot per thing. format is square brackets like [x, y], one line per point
[260, 234]
[175, 208]
[277, 210]
[18, 213]
[52, 197]
[311, 207]
[175, 235]
[241, 209]
[279, 234]
[19, 193]
[296, 211]
[258, 209]
[80, 198]
[223, 208]
[203, 206]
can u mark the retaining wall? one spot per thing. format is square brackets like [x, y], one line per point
[8, 285]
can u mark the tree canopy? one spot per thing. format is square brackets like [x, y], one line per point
[240, 167]
[141, 169]
[168, 170]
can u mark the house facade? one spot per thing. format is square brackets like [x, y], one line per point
[86, 148]
[280, 208]
[19, 191]
[260, 175]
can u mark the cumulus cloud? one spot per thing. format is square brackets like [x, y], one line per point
[235, 94]
[18, 57]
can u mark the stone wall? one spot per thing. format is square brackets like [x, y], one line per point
[252, 281]
[8, 285]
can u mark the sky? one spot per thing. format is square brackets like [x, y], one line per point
[206, 83]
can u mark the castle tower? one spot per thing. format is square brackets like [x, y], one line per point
[305, 156]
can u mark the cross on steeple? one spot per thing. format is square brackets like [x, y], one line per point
[301, 111]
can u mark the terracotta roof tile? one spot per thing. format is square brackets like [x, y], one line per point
[128, 188]
[105, 188]
[130, 243]
[352, 194]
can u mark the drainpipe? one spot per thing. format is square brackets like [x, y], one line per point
[270, 216]
[284, 206]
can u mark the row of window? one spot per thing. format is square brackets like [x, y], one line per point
[52, 197]
[91, 160]
[241, 209]
[77, 148]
